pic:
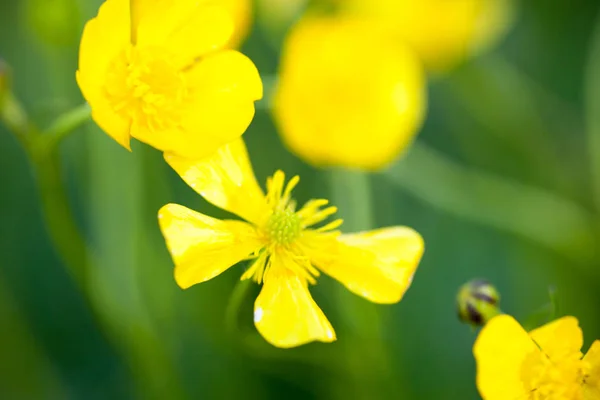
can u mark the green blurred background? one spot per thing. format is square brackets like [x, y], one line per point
[500, 183]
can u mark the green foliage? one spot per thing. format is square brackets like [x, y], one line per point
[502, 183]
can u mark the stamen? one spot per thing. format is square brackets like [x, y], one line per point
[331, 226]
[290, 186]
[284, 231]
[274, 188]
[311, 207]
[318, 216]
[257, 266]
[145, 86]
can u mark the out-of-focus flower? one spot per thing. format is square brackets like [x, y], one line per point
[442, 32]
[348, 94]
[277, 15]
[241, 13]
[477, 302]
[160, 74]
[545, 364]
[286, 248]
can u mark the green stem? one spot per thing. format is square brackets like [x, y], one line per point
[15, 118]
[67, 123]
[41, 149]
[592, 92]
[364, 351]
[238, 296]
[351, 193]
[45, 161]
[62, 229]
[536, 214]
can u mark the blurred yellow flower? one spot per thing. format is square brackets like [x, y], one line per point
[163, 77]
[442, 32]
[241, 13]
[546, 364]
[348, 94]
[286, 248]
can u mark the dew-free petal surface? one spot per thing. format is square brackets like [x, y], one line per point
[104, 38]
[202, 247]
[378, 265]
[286, 315]
[559, 338]
[225, 179]
[500, 350]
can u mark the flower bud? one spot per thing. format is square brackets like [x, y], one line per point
[477, 302]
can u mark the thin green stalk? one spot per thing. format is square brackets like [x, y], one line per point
[364, 350]
[351, 193]
[592, 95]
[236, 300]
[62, 228]
[42, 152]
[66, 123]
[536, 214]
[515, 115]
[15, 118]
[41, 149]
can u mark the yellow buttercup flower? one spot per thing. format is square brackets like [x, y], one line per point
[286, 248]
[348, 94]
[241, 13]
[545, 364]
[160, 74]
[442, 32]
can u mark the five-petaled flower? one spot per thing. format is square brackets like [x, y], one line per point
[157, 70]
[285, 248]
[544, 364]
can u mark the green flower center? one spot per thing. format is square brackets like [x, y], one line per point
[284, 226]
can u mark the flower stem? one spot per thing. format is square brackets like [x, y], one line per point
[503, 204]
[364, 350]
[239, 294]
[351, 193]
[41, 149]
[62, 229]
[15, 118]
[592, 104]
[67, 123]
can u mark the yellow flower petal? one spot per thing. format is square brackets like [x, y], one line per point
[225, 86]
[500, 350]
[286, 315]
[560, 338]
[225, 179]
[104, 38]
[178, 141]
[378, 265]
[187, 28]
[241, 12]
[226, 71]
[348, 95]
[592, 380]
[202, 247]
